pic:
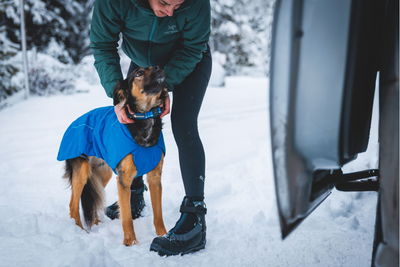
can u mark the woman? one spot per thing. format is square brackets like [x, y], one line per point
[172, 34]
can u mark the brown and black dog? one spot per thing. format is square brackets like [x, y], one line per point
[142, 91]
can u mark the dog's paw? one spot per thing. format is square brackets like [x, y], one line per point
[80, 226]
[130, 241]
[97, 221]
[79, 223]
[161, 232]
[160, 227]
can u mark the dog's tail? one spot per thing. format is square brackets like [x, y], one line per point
[92, 198]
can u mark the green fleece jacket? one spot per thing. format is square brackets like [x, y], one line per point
[175, 42]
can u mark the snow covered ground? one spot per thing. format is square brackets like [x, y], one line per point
[242, 218]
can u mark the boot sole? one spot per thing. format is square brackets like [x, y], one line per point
[164, 252]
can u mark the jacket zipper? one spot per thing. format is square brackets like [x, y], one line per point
[150, 39]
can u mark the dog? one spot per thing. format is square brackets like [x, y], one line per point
[96, 144]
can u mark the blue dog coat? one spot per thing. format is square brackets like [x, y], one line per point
[99, 133]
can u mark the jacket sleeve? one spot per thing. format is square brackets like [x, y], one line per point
[104, 35]
[195, 36]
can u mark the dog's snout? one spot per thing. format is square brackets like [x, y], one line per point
[157, 68]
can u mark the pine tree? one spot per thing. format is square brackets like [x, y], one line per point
[65, 21]
[240, 30]
[78, 43]
[7, 51]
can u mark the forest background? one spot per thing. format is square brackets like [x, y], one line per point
[57, 34]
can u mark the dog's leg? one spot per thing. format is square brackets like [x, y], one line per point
[101, 169]
[154, 181]
[126, 172]
[80, 172]
[100, 172]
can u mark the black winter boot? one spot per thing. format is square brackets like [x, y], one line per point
[189, 233]
[137, 205]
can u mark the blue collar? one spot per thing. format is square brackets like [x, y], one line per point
[154, 112]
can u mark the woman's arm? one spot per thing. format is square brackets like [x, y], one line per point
[104, 35]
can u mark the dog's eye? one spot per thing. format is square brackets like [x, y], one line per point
[139, 73]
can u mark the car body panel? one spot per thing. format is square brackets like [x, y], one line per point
[321, 69]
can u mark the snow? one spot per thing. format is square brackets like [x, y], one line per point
[218, 74]
[55, 50]
[229, 28]
[242, 218]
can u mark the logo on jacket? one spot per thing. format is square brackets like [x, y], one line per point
[171, 29]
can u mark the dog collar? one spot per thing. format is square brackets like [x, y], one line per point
[154, 112]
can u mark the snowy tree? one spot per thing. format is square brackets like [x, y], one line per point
[65, 21]
[7, 51]
[240, 31]
[78, 42]
[58, 28]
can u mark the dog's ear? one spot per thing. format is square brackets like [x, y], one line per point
[120, 92]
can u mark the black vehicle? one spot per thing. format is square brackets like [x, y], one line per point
[324, 63]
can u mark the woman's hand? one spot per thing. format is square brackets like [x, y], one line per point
[121, 114]
[165, 106]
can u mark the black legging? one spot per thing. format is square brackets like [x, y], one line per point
[187, 100]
